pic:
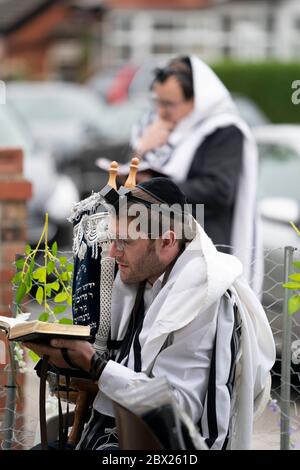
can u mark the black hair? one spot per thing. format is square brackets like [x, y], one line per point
[181, 69]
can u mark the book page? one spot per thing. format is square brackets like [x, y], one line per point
[61, 328]
[56, 329]
[9, 322]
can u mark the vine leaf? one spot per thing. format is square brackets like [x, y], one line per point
[40, 274]
[295, 277]
[61, 297]
[44, 316]
[34, 357]
[21, 291]
[294, 304]
[50, 267]
[39, 295]
[66, 321]
[54, 249]
[59, 309]
[17, 277]
[292, 285]
[20, 263]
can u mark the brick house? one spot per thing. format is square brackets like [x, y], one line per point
[46, 38]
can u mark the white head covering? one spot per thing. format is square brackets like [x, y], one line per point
[214, 108]
[211, 95]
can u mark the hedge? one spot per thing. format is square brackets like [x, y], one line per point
[269, 84]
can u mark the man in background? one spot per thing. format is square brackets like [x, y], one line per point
[196, 137]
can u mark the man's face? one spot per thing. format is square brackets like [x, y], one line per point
[170, 102]
[137, 259]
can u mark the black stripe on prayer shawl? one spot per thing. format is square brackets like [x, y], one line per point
[234, 347]
[136, 342]
[212, 420]
[133, 324]
[211, 401]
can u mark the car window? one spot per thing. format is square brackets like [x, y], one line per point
[249, 111]
[45, 105]
[279, 170]
[53, 105]
[10, 133]
[119, 119]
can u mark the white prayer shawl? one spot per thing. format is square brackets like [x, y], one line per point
[195, 286]
[215, 109]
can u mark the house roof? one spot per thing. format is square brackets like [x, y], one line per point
[16, 13]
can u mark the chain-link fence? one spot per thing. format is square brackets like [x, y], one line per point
[19, 384]
[279, 426]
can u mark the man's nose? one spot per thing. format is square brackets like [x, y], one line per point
[113, 250]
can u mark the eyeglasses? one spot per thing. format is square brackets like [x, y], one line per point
[169, 105]
[122, 243]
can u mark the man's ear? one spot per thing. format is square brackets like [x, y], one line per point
[169, 239]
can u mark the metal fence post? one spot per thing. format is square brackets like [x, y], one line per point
[285, 388]
[10, 402]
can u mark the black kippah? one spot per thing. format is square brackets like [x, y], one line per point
[164, 190]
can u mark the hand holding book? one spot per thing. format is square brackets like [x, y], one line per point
[66, 345]
[65, 353]
[79, 352]
[19, 330]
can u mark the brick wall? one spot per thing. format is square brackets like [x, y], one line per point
[14, 192]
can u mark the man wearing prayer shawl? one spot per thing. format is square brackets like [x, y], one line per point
[180, 310]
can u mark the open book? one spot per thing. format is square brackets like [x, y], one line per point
[38, 331]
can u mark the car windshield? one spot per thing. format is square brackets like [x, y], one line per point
[279, 172]
[119, 119]
[43, 104]
[46, 105]
[249, 111]
[10, 133]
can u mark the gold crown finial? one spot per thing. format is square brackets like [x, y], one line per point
[113, 172]
[131, 180]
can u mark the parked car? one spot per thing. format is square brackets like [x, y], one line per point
[52, 193]
[112, 85]
[66, 117]
[279, 204]
[250, 111]
[77, 126]
[115, 145]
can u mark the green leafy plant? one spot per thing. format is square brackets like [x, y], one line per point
[49, 282]
[294, 284]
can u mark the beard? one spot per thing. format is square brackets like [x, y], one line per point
[143, 268]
